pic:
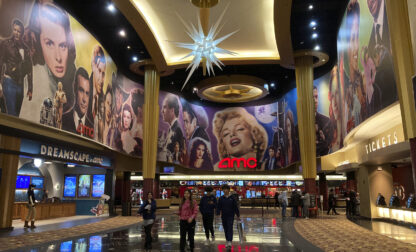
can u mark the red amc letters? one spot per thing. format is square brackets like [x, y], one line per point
[229, 163]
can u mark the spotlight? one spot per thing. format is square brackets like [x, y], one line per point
[310, 7]
[111, 7]
[122, 33]
[195, 90]
[313, 28]
[172, 83]
[317, 48]
[312, 24]
[128, 47]
[314, 35]
[135, 58]
[37, 162]
[272, 85]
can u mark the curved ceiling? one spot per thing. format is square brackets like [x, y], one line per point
[270, 31]
[254, 21]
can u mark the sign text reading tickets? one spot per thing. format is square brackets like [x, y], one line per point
[70, 155]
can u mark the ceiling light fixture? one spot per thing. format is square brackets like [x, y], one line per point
[71, 165]
[111, 7]
[312, 24]
[314, 35]
[135, 58]
[122, 33]
[37, 162]
[310, 7]
[128, 47]
[317, 48]
[313, 28]
[204, 47]
[272, 85]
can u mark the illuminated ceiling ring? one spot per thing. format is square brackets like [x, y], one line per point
[231, 89]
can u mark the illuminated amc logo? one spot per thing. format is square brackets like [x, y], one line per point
[236, 162]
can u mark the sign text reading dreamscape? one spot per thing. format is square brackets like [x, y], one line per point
[70, 155]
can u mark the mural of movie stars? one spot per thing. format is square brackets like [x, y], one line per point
[200, 137]
[55, 73]
[362, 83]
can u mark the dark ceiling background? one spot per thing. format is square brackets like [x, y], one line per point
[105, 25]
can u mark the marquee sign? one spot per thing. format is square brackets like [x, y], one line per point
[62, 153]
[236, 162]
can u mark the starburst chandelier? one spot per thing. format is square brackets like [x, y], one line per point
[205, 46]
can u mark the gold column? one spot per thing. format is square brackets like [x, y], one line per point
[401, 44]
[9, 164]
[306, 119]
[150, 121]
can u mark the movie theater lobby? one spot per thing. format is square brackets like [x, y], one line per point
[290, 124]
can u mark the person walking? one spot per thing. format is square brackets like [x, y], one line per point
[295, 201]
[332, 202]
[188, 210]
[306, 204]
[207, 207]
[31, 206]
[227, 207]
[148, 210]
[283, 203]
[276, 200]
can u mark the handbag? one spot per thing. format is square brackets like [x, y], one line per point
[148, 222]
[241, 236]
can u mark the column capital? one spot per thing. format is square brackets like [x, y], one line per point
[319, 58]
[140, 67]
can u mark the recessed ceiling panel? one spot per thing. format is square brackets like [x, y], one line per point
[253, 19]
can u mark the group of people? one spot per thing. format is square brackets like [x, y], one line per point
[297, 200]
[226, 206]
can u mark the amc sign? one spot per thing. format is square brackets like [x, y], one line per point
[236, 162]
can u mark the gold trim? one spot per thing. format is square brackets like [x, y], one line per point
[204, 3]
[319, 58]
[282, 14]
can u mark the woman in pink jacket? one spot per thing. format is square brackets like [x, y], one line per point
[188, 211]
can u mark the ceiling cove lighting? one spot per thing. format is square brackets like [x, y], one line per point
[238, 177]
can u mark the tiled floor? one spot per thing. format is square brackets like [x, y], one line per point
[262, 234]
[401, 233]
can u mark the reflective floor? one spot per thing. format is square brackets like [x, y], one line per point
[401, 233]
[262, 234]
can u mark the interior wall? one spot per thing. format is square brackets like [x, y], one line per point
[379, 182]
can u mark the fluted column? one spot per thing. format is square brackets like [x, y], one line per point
[403, 61]
[150, 126]
[306, 120]
[9, 164]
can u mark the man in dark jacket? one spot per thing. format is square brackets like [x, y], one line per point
[227, 207]
[207, 206]
[332, 202]
[295, 201]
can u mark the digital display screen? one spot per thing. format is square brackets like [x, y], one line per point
[208, 182]
[204, 183]
[22, 182]
[66, 246]
[98, 183]
[258, 194]
[183, 182]
[222, 193]
[218, 194]
[214, 183]
[248, 194]
[38, 182]
[70, 186]
[257, 183]
[84, 185]
[191, 182]
[299, 183]
[264, 183]
[95, 244]
[169, 169]
[288, 183]
[248, 183]
[198, 182]
[81, 245]
[231, 183]
[220, 182]
[253, 194]
[240, 183]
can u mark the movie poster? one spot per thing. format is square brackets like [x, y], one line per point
[54, 72]
[200, 137]
[365, 69]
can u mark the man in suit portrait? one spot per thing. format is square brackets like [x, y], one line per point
[271, 163]
[380, 32]
[323, 128]
[78, 119]
[170, 113]
[191, 124]
[16, 61]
